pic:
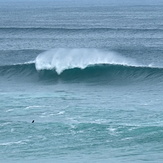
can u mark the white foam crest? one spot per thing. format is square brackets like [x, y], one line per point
[35, 106]
[25, 63]
[13, 143]
[4, 124]
[29, 62]
[62, 59]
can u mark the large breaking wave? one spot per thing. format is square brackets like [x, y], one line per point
[82, 65]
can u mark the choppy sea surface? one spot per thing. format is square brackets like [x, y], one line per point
[91, 78]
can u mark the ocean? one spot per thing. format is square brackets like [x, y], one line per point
[91, 78]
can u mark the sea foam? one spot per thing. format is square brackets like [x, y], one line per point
[62, 59]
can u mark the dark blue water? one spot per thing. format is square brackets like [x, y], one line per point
[91, 76]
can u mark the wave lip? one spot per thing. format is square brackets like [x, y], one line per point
[64, 59]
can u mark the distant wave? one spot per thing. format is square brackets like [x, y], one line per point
[100, 29]
[82, 65]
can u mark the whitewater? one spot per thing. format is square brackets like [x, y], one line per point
[81, 83]
[62, 59]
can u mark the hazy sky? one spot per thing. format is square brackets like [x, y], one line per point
[95, 1]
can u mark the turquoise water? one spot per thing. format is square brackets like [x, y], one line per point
[89, 76]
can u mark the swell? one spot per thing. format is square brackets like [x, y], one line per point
[94, 73]
[100, 29]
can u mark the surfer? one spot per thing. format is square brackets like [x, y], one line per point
[33, 121]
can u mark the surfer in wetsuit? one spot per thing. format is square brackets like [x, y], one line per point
[33, 121]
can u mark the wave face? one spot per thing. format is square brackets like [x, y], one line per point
[82, 65]
[106, 73]
[18, 71]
